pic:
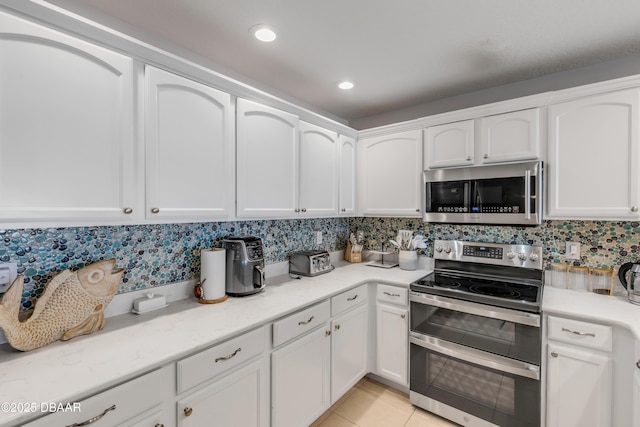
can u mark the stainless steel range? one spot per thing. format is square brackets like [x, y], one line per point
[475, 334]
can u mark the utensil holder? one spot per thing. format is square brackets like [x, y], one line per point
[350, 255]
[408, 260]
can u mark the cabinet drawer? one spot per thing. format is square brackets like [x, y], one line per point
[392, 294]
[581, 333]
[116, 406]
[298, 323]
[209, 363]
[348, 299]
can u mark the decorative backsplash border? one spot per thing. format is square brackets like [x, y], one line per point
[604, 244]
[153, 255]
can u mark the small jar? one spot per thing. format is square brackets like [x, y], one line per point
[579, 278]
[602, 281]
[559, 275]
[408, 260]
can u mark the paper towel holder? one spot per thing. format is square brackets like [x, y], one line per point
[197, 291]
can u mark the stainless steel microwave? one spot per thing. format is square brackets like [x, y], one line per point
[509, 194]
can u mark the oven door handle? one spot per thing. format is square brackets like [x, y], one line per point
[478, 357]
[529, 319]
[527, 194]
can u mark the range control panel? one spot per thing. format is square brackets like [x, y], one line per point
[527, 256]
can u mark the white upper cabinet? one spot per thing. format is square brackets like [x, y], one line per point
[390, 174]
[593, 157]
[66, 129]
[347, 204]
[501, 138]
[510, 137]
[318, 171]
[267, 153]
[189, 148]
[449, 145]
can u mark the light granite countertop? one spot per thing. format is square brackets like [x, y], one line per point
[134, 344]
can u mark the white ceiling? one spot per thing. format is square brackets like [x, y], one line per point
[400, 53]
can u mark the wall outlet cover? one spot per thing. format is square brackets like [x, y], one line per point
[573, 250]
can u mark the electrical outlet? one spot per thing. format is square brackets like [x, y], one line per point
[8, 273]
[573, 250]
[318, 237]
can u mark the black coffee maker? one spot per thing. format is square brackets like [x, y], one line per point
[244, 266]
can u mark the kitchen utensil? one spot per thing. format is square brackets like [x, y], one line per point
[631, 284]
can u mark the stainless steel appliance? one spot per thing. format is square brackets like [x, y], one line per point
[475, 337]
[310, 263]
[496, 194]
[244, 265]
[632, 284]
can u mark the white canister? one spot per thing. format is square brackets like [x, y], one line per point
[212, 275]
[408, 260]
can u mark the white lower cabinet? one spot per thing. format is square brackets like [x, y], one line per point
[300, 377]
[349, 350]
[392, 334]
[139, 402]
[636, 386]
[238, 399]
[579, 377]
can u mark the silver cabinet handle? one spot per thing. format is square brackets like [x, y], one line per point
[127, 211]
[554, 354]
[486, 156]
[304, 209]
[307, 322]
[634, 209]
[159, 425]
[402, 316]
[417, 209]
[582, 334]
[344, 209]
[229, 356]
[468, 158]
[296, 210]
[327, 333]
[638, 364]
[337, 327]
[391, 295]
[155, 210]
[188, 411]
[94, 419]
[353, 298]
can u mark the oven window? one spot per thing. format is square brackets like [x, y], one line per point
[498, 397]
[496, 336]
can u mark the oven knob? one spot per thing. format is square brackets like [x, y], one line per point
[438, 248]
[511, 255]
[533, 257]
[447, 249]
[522, 256]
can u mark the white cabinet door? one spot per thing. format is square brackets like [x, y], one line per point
[267, 176]
[239, 399]
[66, 128]
[636, 397]
[189, 147]
[347, 204]
[593, 157]
[349, 350]
[318, 171]
[300, 379]
[510, 137]
[392, 346]
[390, 175]
[578, 387]
[450, 144]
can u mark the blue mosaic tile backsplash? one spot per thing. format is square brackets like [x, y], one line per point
[604, 244]
[152, 255]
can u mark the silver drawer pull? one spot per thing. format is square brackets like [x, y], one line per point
[391, 295]
[94, 419]
[352, 299]
[402, 316]
[307, 322]
[638, 364]
[554, 354]
[582, 334]
[229, 356]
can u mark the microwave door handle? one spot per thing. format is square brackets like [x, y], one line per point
[527, 194]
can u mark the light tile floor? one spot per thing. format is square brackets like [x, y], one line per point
[371, 404]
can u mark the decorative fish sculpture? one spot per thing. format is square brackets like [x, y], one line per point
[72, 304]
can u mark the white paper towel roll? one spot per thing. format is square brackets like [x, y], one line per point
[212, 273]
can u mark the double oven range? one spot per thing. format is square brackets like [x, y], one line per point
[475, 335]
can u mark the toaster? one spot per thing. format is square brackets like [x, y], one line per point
[310, 263]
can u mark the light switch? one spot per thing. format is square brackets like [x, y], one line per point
[573, 250]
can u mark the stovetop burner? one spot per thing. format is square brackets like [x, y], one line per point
[495, 291]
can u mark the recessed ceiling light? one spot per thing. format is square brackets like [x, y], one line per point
[345, 85]
[264, 33]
